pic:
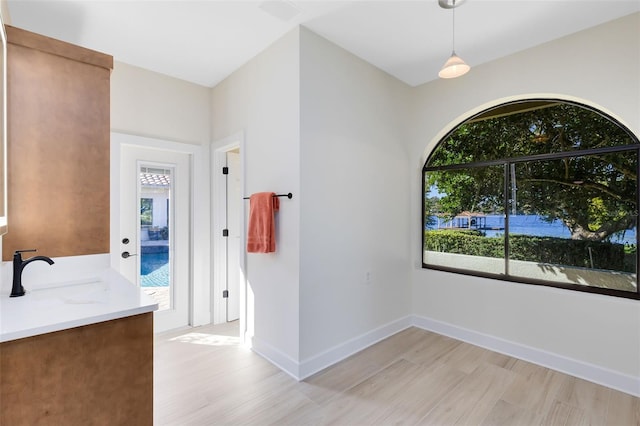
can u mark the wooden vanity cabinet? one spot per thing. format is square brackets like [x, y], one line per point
[99, 374]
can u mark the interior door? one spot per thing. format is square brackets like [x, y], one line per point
[155, 229]
[234, 198]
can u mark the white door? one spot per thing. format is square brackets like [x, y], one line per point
[234, 198]
[154, 229]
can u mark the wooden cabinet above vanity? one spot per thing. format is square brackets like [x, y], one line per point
[58, 146]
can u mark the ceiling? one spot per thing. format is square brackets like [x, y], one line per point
[205, 41]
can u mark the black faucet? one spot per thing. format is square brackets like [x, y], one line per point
[18, 266]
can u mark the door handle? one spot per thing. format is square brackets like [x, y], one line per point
[126, 254]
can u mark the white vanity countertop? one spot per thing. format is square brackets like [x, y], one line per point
[104, 297]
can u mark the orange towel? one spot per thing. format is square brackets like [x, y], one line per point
[261, 236]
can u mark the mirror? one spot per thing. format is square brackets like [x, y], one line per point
[3, 130]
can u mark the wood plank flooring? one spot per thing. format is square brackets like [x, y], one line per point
[203, 377]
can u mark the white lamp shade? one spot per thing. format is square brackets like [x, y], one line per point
[454, 67]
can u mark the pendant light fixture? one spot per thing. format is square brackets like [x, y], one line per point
[455, 66]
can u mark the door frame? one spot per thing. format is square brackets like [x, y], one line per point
[199, 250]
[219, 151]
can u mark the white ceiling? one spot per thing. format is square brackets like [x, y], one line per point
[204, 41]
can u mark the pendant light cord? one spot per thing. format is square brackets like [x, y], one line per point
[453, 27]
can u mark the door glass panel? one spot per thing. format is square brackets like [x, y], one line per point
[155, 231]
[575, 220]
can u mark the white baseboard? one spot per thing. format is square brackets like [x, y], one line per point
[593, 373]
[339, 352]
[276, 357]
[310, 366]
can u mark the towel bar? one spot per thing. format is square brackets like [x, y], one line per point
[289, 196]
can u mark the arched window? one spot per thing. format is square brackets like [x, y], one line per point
[536, 191]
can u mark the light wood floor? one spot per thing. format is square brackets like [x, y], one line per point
[202, 377]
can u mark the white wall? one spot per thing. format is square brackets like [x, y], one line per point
[355, 225]
[4, 11]
[599, 67]
[261, 100]
[328, 127]
[146, 103]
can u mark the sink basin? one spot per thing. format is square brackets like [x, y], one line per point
[92, 290]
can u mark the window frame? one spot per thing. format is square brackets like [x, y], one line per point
[506, 164]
